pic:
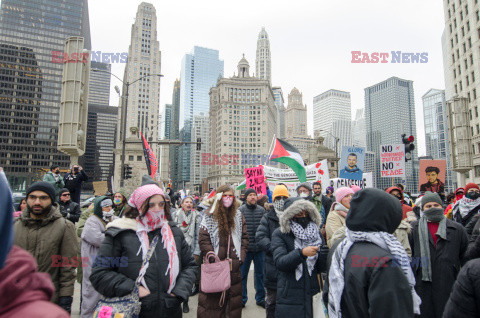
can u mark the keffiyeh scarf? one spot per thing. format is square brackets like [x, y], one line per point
[186, 223]
[310, 236]
[465, 205]
[336, 274]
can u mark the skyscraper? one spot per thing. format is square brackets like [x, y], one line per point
[296, 115]
[175, 134]
[242, 122]
[389, 113]
[358, 129]
[263, 62]
[332, 118]
[167, 117]
[141, 70]
[200, 72]
[436, 135]
[31, 83]
[280, 105]
[200, 130]
[99, 84]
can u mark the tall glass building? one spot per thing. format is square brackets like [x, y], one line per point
[280, 105]
[436, 134]
[31, 82]
[200, 72]
[99, 84]
[389, 113]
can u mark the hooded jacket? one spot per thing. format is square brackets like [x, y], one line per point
[53, 243]
[115, 276]
[73, 182]
[405, 207]
[253, 215]
[372, 280]
[70, 210]
[294, 298]
[268, 224]
[58, 183]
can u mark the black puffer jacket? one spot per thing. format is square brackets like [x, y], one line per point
[114, 281]
[464, 301]
[253, 215]
[70, 210]
[268, 225]
[294, 298]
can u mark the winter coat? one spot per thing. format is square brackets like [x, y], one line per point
[334, 222]
[208, 304]
[456, 216]
[74, 184]
[92, 237]
[70, 210]
[405, 207]
[263, 237]
[322, 201]
[474, 224]
[294, 298]
[446, 259]
[464, 300]
[83, 218]
[115, 275]
[473, 250]
[53, 243]
[24, 292]
[253, 215]
[58, 184]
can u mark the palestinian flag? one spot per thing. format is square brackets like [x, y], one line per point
[285, 153]
[242, 185]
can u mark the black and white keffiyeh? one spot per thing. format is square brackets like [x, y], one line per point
[310, 236]
[336, 274]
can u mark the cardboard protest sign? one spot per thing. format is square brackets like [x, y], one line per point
[366, 182]
[315, 172]
[100, 187]
[256, 179]
[432, 175]
[352, 163]
[392, 161]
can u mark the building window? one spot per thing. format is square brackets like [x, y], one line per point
[139, 158]
[477, 170]
[130, 158]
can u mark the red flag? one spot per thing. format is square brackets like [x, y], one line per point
[211, 194]
[150, 159]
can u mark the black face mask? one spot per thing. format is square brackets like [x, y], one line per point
[303, 221]
[473, 195]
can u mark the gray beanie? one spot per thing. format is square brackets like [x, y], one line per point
[146, 179]
[305, 185]
[431, 197]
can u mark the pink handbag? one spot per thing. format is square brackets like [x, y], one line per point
[215, 277]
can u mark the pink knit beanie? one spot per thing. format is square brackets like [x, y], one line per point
[355, 188]
[342, 193]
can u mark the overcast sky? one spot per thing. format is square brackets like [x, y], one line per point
[311, 41]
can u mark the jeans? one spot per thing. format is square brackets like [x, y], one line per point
[271, 302]
[258, 260]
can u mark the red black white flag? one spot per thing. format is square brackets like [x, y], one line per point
[150, 159]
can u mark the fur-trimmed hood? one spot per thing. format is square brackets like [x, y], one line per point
[123, 223]
[297, 207]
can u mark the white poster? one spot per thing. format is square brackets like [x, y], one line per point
[315, 172]
[392, 161]
[366, 182]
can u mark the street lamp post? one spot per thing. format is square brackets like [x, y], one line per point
[124, 114]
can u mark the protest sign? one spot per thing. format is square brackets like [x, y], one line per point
[432, 175]
[392, 160]
[100, 187]
[352, 163]
[256, 179]
[366, 182]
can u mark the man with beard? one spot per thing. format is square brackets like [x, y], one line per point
[51, 239]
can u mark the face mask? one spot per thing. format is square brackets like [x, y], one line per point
[107, 215]
[227, 202]
[117, 201]
[278, 204]
[153, 218]
[303, 195]
[473, 195]
[303, 221]
[398, 197]
[434, 214]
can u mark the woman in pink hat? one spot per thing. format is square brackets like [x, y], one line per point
[338, 212]
[167, 279]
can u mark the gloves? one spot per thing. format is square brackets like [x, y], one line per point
[66, 303]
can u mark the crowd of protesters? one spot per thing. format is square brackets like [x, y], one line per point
[360, 252]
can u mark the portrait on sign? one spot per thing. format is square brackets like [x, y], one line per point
[432, 176]
[352, 163]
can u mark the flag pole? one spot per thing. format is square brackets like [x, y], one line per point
[271, 148]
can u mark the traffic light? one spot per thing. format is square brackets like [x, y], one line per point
[199, 143]
[409, 146]
[127, 172]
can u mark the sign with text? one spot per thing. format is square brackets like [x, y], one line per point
[255, 179]
[366, 182]
[392, 160]
[352, 163]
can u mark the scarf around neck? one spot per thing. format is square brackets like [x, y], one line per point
[465, 205]
[150, 222]
[310, 236]
[336, 275]
[210, 224]
[431, 215]
[186, 223]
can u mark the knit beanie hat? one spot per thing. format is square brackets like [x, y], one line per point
[248, 191]
[280, 191]
[431, 197]
[471, 185]
[105, 203]
[330, 188]
[43, 186]
[342, 193]
[262, 199]
[62, 191]
[355, 188]
[305, 185]
[146, 179]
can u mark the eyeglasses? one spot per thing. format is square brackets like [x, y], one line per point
[41, 198]
[65, 195]
[228, 196]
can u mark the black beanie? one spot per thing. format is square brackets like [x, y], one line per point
[62, 191]
[43, 186]
[248, 191]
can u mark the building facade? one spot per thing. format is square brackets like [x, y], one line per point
[436, 134]
[175, 135]
[99, 84]
[32, 82]
[359, 138]
[389, 113]
[295, 115]
[332, 118]
[142, 70]
[200, 131]
[201, 70]
[263, 61]
[242, 122]
[280, 105]
[318, 152]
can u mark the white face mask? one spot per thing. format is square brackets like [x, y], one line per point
[108, 215]
[303, 195]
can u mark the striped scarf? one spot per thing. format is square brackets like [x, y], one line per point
[336, 275]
